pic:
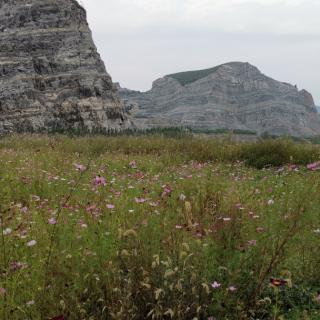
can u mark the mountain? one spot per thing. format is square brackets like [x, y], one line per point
[231, 96]
[51, 75]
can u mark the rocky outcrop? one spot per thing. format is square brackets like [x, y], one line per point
[231, 96]
[51, 75]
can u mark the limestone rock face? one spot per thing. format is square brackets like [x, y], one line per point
[231, 96]
[51, 75]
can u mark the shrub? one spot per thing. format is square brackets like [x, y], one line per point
[277, 153]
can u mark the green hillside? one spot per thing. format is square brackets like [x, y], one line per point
[192, 76]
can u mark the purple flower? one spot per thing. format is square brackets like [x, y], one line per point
[314, 166]
[110, 206]
[52, 221]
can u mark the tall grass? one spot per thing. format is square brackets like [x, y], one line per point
[184, 228]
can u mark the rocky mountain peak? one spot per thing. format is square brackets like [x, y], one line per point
[51, 75]
[233, 96]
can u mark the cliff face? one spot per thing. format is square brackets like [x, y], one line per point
[231, 96]
[51, 76]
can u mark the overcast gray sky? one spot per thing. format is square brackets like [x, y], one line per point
[142, 40]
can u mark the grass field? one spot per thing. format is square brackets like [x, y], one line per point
[158, 228]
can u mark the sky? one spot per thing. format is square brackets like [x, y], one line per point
[143, 40]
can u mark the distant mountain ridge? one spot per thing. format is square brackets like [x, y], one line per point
[235, 96]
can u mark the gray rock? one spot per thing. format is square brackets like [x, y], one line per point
[51, 75]
[231, 96]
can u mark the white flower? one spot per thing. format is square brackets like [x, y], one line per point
[270, 202]
[31, 243]
[7, 231]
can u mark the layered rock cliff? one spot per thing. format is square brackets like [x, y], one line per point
[231, 96]
[51, 75]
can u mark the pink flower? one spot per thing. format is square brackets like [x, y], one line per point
[252, 242]
[140, 200]
[215, 285]
[110, 206]
[166, 191]
[16, 265]
[31, 243]
[80, 167]
[52, 221]
[3, 291]
[314, 166]
[99, 181]
[133, 164]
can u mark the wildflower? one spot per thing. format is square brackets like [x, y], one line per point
[226, 219]
[313, 166]
[140, 200]
[215, 285]
[3, 291]
[292, 167]
[179, 226]
[259, 229]
[30, 303]
[182, 197]
[80, 167]
[252, 242]
[52, 221]
[7, 231]
[270, 202]
[99, 181]
[154, 203]
[24, 210]
[16, 265]
[166, 191]
[278, 282]
[110, 206]
[318, 297]
[232, 289]
[133, 164]
[31, 243]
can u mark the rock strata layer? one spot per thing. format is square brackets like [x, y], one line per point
[232, 96]
[51, 75]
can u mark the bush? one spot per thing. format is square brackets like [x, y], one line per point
[277, 153]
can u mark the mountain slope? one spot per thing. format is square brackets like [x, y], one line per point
[234, 95]
[51, 75]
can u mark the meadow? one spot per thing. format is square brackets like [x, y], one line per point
[158, 227]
